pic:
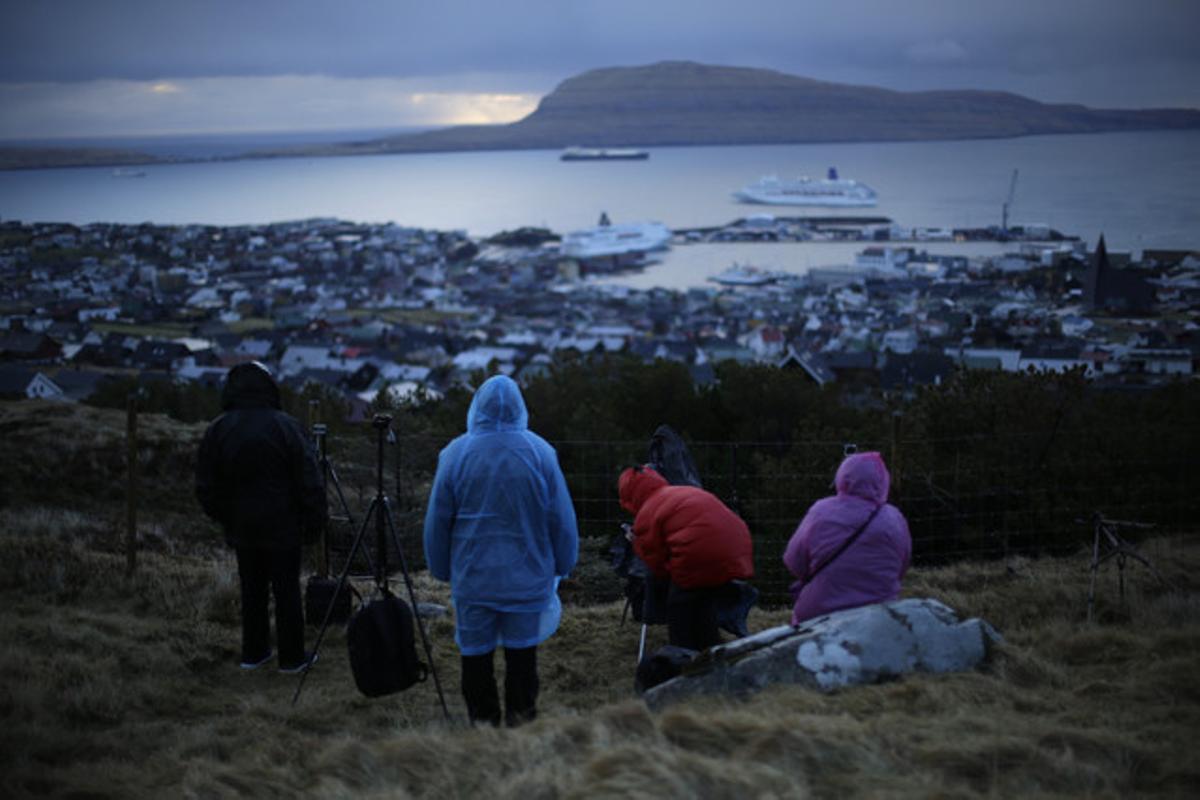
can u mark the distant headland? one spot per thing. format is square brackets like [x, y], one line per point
[681, 103]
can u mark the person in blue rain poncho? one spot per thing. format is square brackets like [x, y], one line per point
[500, 527]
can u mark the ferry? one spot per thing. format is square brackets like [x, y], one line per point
[805, 191]
[739, 275]
[607, 239]
[603, 154]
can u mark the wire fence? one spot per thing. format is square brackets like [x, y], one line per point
[964, 497]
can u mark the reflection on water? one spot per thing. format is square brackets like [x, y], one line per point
[1139, 189]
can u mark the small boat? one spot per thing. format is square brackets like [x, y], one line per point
[603, 154]
[805, 191]
[128, 172]
[739, 275]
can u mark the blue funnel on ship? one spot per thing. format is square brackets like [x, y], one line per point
[833, 173]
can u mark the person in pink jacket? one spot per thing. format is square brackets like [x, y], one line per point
[870, 568]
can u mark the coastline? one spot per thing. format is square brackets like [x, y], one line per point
[11, 158]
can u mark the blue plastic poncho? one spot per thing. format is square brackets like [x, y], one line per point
[500, 525]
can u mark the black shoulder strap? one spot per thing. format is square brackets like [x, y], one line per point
[846, 544]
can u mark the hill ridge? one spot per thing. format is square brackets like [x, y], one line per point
[689, 103]
[685, 103]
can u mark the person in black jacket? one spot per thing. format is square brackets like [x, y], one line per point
[257, 475]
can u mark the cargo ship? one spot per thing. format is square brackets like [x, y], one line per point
[603, 154]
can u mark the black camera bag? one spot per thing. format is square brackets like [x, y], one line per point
[383, 650]
[319, 593]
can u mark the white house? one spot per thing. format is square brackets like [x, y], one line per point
[1158, 361]
[1008, 360]
[16, 381]
[107, 313]
[901, 341]
[299, 357]
[480, 357]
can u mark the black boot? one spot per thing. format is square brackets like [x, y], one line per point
[479, 690]
[520, 685]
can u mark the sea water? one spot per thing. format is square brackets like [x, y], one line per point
[1141, 190]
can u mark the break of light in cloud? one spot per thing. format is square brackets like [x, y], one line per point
[247, 104]
[457, 108]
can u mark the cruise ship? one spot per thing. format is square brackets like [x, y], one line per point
[607, 239]
[603, 154]
[805, 191]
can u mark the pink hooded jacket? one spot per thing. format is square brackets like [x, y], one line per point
[870, 569]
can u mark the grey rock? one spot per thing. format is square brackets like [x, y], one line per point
[856, 646]
[431, 610]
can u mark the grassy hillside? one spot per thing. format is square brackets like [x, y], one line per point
[115, 686]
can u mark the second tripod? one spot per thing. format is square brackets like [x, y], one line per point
[380, 645]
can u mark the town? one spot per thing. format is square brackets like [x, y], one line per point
[364, 309]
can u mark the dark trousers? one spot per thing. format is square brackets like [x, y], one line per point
[692, 617]
[263, 573]
[520, 687]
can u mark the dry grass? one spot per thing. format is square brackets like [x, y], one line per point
[75, 456]
[115, 686]
[128, 687]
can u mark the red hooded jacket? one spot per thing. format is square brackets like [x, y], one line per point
[685, 533]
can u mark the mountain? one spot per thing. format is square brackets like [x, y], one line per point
[685, 103]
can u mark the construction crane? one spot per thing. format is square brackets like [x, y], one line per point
[1012, 189]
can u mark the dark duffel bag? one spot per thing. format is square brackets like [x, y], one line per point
[381, 638]
[319, 592]
[662, 665]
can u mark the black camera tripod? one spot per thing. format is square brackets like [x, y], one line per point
[380, 509]
[329, 475]
[1108, 543]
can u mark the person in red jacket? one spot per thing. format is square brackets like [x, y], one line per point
[688, 536]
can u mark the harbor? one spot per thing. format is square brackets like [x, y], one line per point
[364, 309]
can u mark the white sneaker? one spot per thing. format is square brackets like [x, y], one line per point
[256, 664]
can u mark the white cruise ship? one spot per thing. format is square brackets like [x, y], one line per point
[607, 239]
[805, 191]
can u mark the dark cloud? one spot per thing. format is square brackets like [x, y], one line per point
[1046, 48]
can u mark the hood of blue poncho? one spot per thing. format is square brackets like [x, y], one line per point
[497, 406]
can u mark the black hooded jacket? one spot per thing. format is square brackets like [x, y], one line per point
[256, 473]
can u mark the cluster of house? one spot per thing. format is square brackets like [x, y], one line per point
[364, 309]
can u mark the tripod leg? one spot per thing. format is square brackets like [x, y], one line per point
[1091, 599]
[1121, 577]
[341, 584]
[412, 598]
[1132, 552]
[337, 486]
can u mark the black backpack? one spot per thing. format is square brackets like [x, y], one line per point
[383, 650]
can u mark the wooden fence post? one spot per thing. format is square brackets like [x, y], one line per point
[131, 484]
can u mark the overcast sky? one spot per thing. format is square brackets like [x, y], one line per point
[139, 67]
